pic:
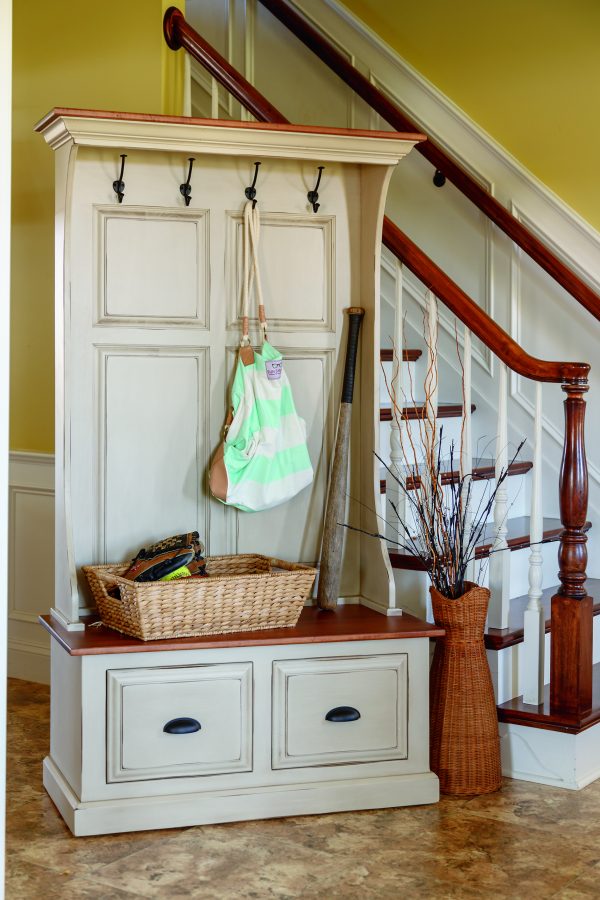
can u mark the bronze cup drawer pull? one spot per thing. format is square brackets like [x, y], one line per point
[183, 725]
[343, 714]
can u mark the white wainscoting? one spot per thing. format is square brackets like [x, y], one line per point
[30, 563]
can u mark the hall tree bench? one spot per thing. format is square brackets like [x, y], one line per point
[310, 719]
[333, 713]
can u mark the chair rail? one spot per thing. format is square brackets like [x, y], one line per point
[300, 26]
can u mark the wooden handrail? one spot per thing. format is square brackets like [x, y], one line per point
[460, 178]
[465, 309]
[179, 33]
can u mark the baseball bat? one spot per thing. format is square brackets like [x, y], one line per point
[333, 532]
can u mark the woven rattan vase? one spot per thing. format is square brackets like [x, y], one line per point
[465, 747]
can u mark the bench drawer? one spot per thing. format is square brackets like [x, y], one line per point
[182, 721]
[335, 711]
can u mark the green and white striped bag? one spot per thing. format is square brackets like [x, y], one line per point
[263, 460]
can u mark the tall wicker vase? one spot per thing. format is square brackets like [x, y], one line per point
[465, 747]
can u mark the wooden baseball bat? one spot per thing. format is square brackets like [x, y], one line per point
[333, 533]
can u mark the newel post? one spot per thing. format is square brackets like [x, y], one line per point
[572, 620]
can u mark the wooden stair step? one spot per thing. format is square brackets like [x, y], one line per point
[499, 638]
[484, 471]
[386, 354]
[417, 411]
[516, 712]
[518, 537]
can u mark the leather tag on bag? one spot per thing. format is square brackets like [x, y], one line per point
[217, 477]
[247, 355]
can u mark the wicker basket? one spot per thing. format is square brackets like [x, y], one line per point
[247, 592]
[465, 746]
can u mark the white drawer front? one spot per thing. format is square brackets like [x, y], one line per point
[141, 702]
[370, 693]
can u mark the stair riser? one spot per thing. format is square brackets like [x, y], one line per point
[408, 377]
[517, 498]
[451, 433]
[507, 666]
[413, 587]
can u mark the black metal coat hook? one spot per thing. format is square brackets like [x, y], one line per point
[439, 179]
[119, 184]
[250, 192]
[313, 195]
[185, 189]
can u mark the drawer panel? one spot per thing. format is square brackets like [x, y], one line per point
[335, 711]
[208, 710]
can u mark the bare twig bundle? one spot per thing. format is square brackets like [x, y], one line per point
[447, 525]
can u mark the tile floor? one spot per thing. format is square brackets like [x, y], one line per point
[527, 841]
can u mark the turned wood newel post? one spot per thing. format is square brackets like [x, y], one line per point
[572, 621]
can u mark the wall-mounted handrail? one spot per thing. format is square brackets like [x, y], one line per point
[179, 33]
[460, 178]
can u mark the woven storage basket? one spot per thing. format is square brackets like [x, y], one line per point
[247, 592]
[464, 740]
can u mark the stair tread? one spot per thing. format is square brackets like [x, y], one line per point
[517, 538]
[386, 354]
[417, 411]
[519, 713]
[484, 470]
[499, 638]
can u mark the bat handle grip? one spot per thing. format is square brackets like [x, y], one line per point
[355, 317]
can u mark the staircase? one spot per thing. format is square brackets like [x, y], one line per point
[533, 620]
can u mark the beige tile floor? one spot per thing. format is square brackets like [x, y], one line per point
[526, 841]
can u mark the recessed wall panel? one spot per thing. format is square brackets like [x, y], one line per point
[296, 260]
[153, 268]
[153, 413]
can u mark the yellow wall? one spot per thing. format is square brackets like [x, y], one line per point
[527, 71]
[103, 55]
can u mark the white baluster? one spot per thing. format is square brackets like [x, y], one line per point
[500, 558]
[466, 446]
[431, 379]
[394, 494]
[535, 624]
[428, 432]
[214, 98]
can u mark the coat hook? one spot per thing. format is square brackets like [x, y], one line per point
[250, 192]
[185, 189]
[119, 184]
[313, 195]
[439, 179]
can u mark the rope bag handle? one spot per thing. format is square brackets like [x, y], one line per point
[251, 273]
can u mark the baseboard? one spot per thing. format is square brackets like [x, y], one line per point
[570, 761]
[144, 813]
[30, 662]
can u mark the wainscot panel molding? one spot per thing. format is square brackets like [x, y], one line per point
[30, 563]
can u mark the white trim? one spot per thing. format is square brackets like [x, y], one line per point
[6, 29]
[31, 457]
[550, 757]
[30, 474]
[143, 813]
[203, 137]
[575, 240]
[29, 661]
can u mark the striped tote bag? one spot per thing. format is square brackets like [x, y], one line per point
[263, 460]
